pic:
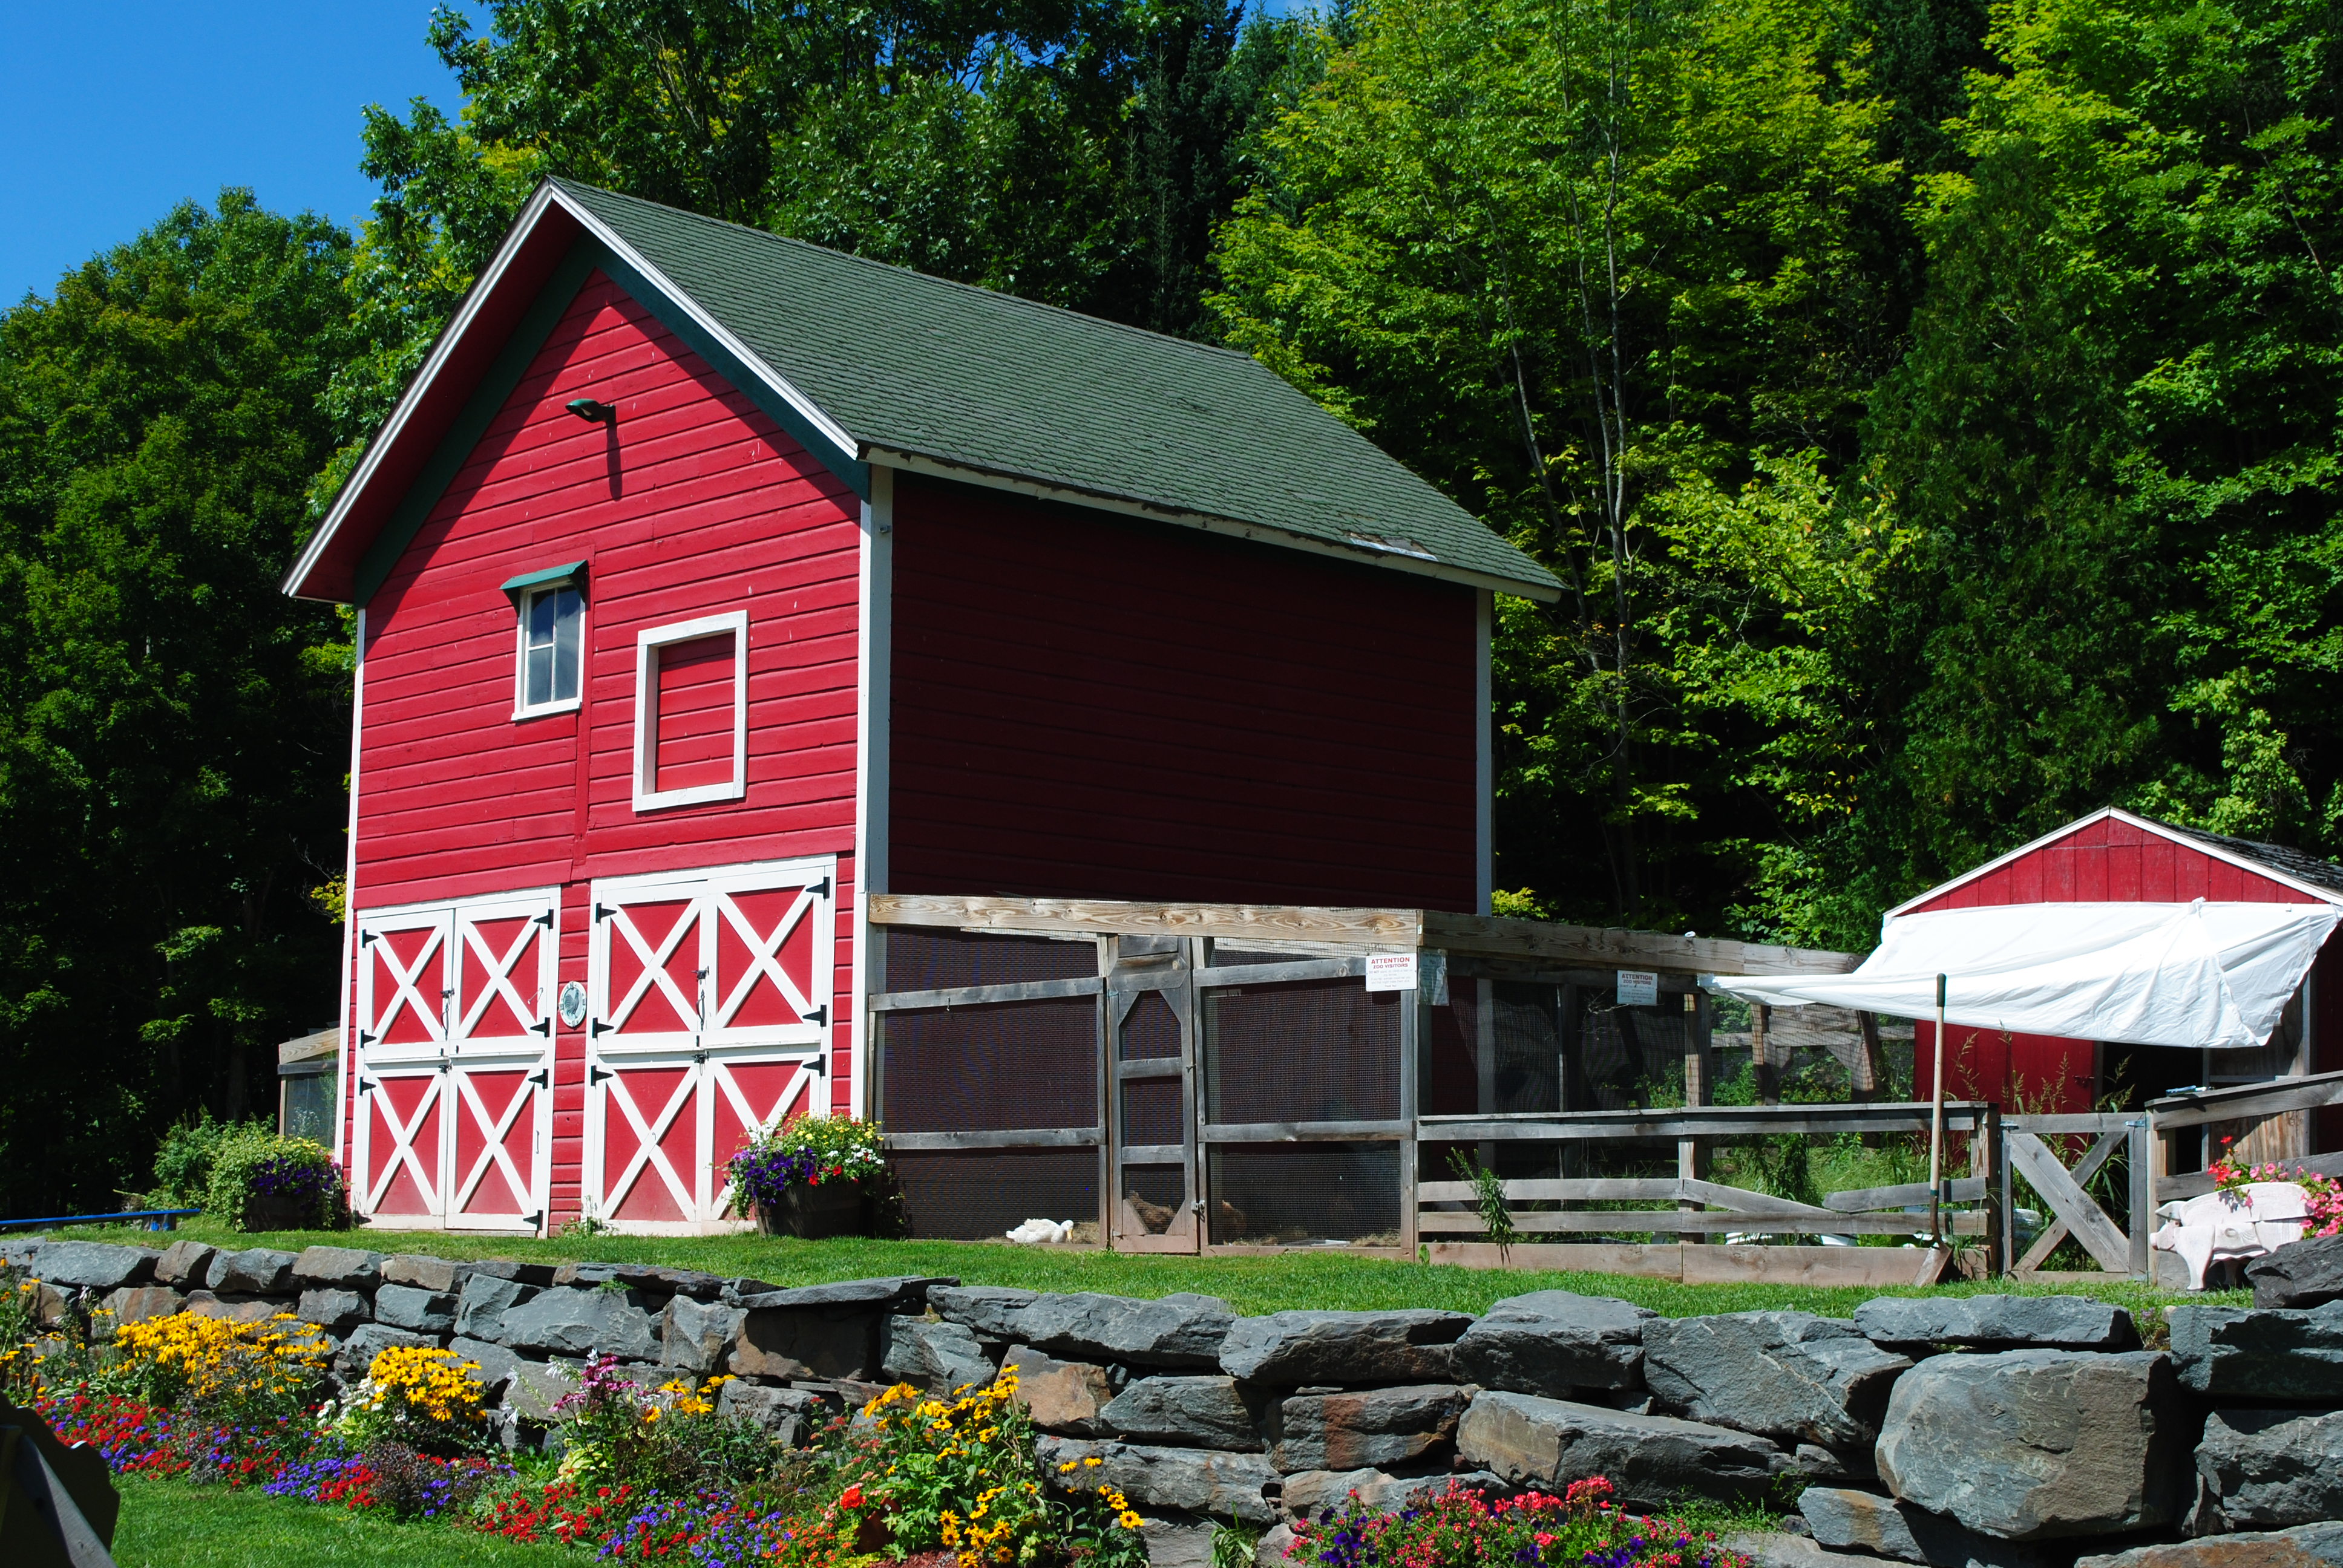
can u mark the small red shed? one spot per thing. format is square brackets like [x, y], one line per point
[709, 582]
[2115, 857]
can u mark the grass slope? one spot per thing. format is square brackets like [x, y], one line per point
[1323, 1279]
[168, 1523]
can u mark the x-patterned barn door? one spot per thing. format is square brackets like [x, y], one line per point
[454, 1062]
[710, 998]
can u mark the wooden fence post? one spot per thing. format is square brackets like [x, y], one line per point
[1700, 1072]
[2141, 1152]
[1761, 1055]
[1988, 1159]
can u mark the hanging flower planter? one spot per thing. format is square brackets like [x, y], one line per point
[810, 1178]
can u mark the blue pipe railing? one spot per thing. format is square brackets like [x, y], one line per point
[157, 1219]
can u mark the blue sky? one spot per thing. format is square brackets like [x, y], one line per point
[113, 110]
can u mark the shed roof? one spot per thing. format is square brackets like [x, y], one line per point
[873, 364]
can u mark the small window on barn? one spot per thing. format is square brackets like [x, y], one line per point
[691, 712]
[549, 663]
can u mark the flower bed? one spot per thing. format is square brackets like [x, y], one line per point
[648, 1473]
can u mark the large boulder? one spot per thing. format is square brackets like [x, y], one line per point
[366, 1342]
[697, 1335]
[1790, 1376]
[1196, 1480]
[1288, 1348]
[1205, 1411]
[481, 1310]
[2306, 1546]
[255, 1271]
[335, 1311]
[1557, 1344]
[537, 1387]
[490, 1366]
[2231, 1352]
[941, 1357]
[2299, 1275]
[2267, 1469]
[1309, 1493]
[789, 1414]
[1650, 1459]
[420, 1272]
[137, 1303]
[649, 1278]
[1366, 1429]
[185, 1265]
[1842, 1519]
[805, 1342]
[97, 1266]
[538, 1275]
[993, 1311]
[407, 1306]
[1998, 1323]
[2038, 1444]
[337, 1268]
[887, 1293]
[1065, 1397]
[584, 1323]
[1180, 1330]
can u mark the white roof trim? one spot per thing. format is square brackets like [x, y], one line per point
[681, 298]
[2259, 868]
[1100, 500]
[436, 361]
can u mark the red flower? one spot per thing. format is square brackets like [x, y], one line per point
[852, 1497]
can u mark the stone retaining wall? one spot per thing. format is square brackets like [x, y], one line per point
[1978, 1430]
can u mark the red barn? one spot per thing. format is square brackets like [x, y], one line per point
[2115, 857]
[707, 582]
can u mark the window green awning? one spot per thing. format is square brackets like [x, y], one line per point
[574, 574]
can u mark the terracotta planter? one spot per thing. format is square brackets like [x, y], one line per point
[812, 1213]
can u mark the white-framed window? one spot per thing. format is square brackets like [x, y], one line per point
[691, 712]
[549, 663]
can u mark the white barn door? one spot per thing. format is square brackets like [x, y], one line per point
[711, 1013]
[454, 1066]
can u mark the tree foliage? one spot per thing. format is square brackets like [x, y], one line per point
[172, 728]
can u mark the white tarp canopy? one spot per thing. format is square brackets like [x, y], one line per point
[2203, 975]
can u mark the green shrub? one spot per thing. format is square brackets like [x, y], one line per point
[183, 1164]
[259, 1181]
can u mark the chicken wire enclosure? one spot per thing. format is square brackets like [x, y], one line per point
[979, 1195]
[1006, 1067]
[1314, 1050]
[919, 959]
[1300, 1194]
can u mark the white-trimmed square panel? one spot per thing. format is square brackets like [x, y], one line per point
[650, 648]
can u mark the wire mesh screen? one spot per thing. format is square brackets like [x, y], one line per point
[1150, 1110]
[920, 958]
[991, 1068]
[1627, 1054]
[1229, 958]
[1525, 1034]
[1289, 1194]
[1313, 1050]
[1449, 1056]
[1151, 1030]
[1155, 1193]
[981, 1195]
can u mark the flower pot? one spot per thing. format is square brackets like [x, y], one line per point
[811, 1214]
[280, 1212]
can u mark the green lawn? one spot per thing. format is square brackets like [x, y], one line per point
[171, 1524]
[1250, 1284]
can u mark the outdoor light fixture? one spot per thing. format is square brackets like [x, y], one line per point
[593, 413]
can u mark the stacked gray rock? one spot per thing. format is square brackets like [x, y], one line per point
[1995, 1432]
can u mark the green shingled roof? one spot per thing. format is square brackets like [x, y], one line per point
[906, 362]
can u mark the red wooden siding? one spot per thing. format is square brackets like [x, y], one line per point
[2106, 861]
[1087, 706]
[694, 744]
[2112, 861]
[694, 504]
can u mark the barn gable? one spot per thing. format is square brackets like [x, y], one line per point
[866, 364]
[2113, 856]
